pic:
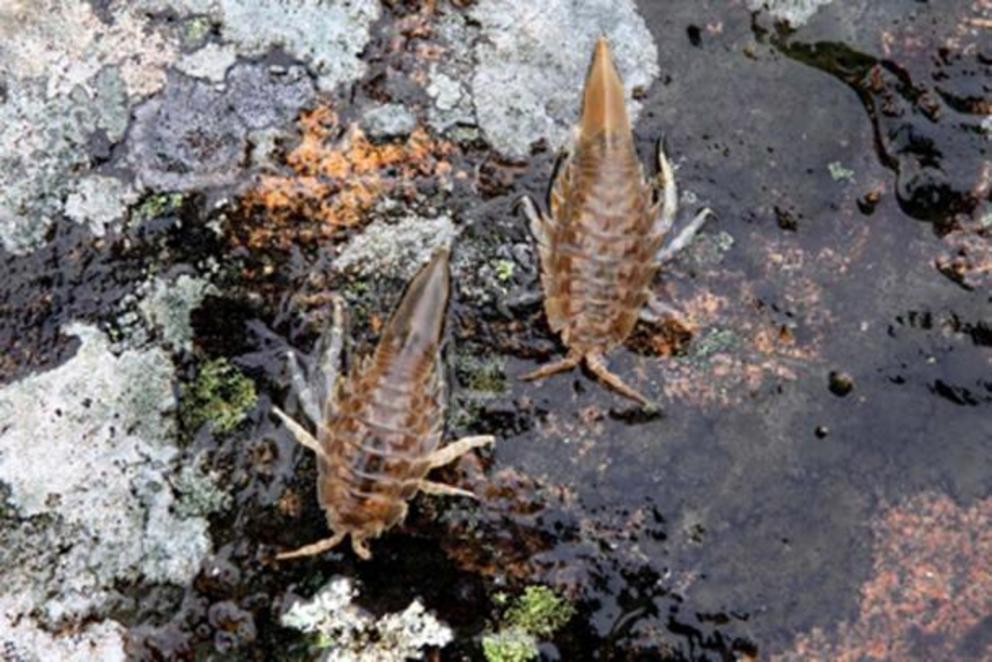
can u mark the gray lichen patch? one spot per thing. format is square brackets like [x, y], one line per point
[68, 78]
[85, 450]
[169, 307]
[329, 36]
[388, 120]
[210, 62]
[525, 63]
[195, 135]
[43, 141]
[395, 250]
[99, 201]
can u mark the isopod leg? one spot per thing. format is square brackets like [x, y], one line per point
[538, 221]
[441, 489]
[329, 351]
[657, 310]
[312, 549]
[299, 432]
[298, 385]
[685, 237]
[456, 449]
[564, 364]
[668, 204]
[360, 547]
[598, 367]
[314, 384]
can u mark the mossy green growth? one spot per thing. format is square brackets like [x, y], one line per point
[155, 205]
[504, 270]
[483, 374]
[510, 646]
[537, 614]
[220, 395]
[195, 31]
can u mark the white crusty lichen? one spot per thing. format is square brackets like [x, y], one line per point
[793, 12]
[345, 632]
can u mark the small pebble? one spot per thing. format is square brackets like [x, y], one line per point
[841, 383]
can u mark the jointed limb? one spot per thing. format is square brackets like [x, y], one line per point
[656, 310]
[685, 237]
[537, 220]
[328, 351]
[315, 548]
[597, 366]
[299, 432]
[442, 489]
[549, 369]
[668, 205]
[456, 449]
[300, 387]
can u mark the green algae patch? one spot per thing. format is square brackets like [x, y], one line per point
[156, 205]
[510, 646]
[535, 615]
[539, 611]
[221, 395]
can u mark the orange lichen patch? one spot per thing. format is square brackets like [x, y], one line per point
[930, 594]
[736, 349]
[338, 175]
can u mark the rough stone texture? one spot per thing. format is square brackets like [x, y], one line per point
[187, 138]
[395, 250]
[21, 640]
[327, 35]
[210, 62]
[169, 307]
[350, 634]
[529, 65]
[263, 96]
[84, 449]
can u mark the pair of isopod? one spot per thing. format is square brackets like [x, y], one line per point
[379, 428]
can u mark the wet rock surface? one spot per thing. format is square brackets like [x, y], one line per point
[190, 180]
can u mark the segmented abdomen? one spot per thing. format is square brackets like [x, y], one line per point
[600, 257]
[387, 422]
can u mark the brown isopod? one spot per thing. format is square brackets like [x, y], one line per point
[600, 245]
[379, 428]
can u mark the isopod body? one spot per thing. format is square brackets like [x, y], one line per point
[379, 428]
[600, 244]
